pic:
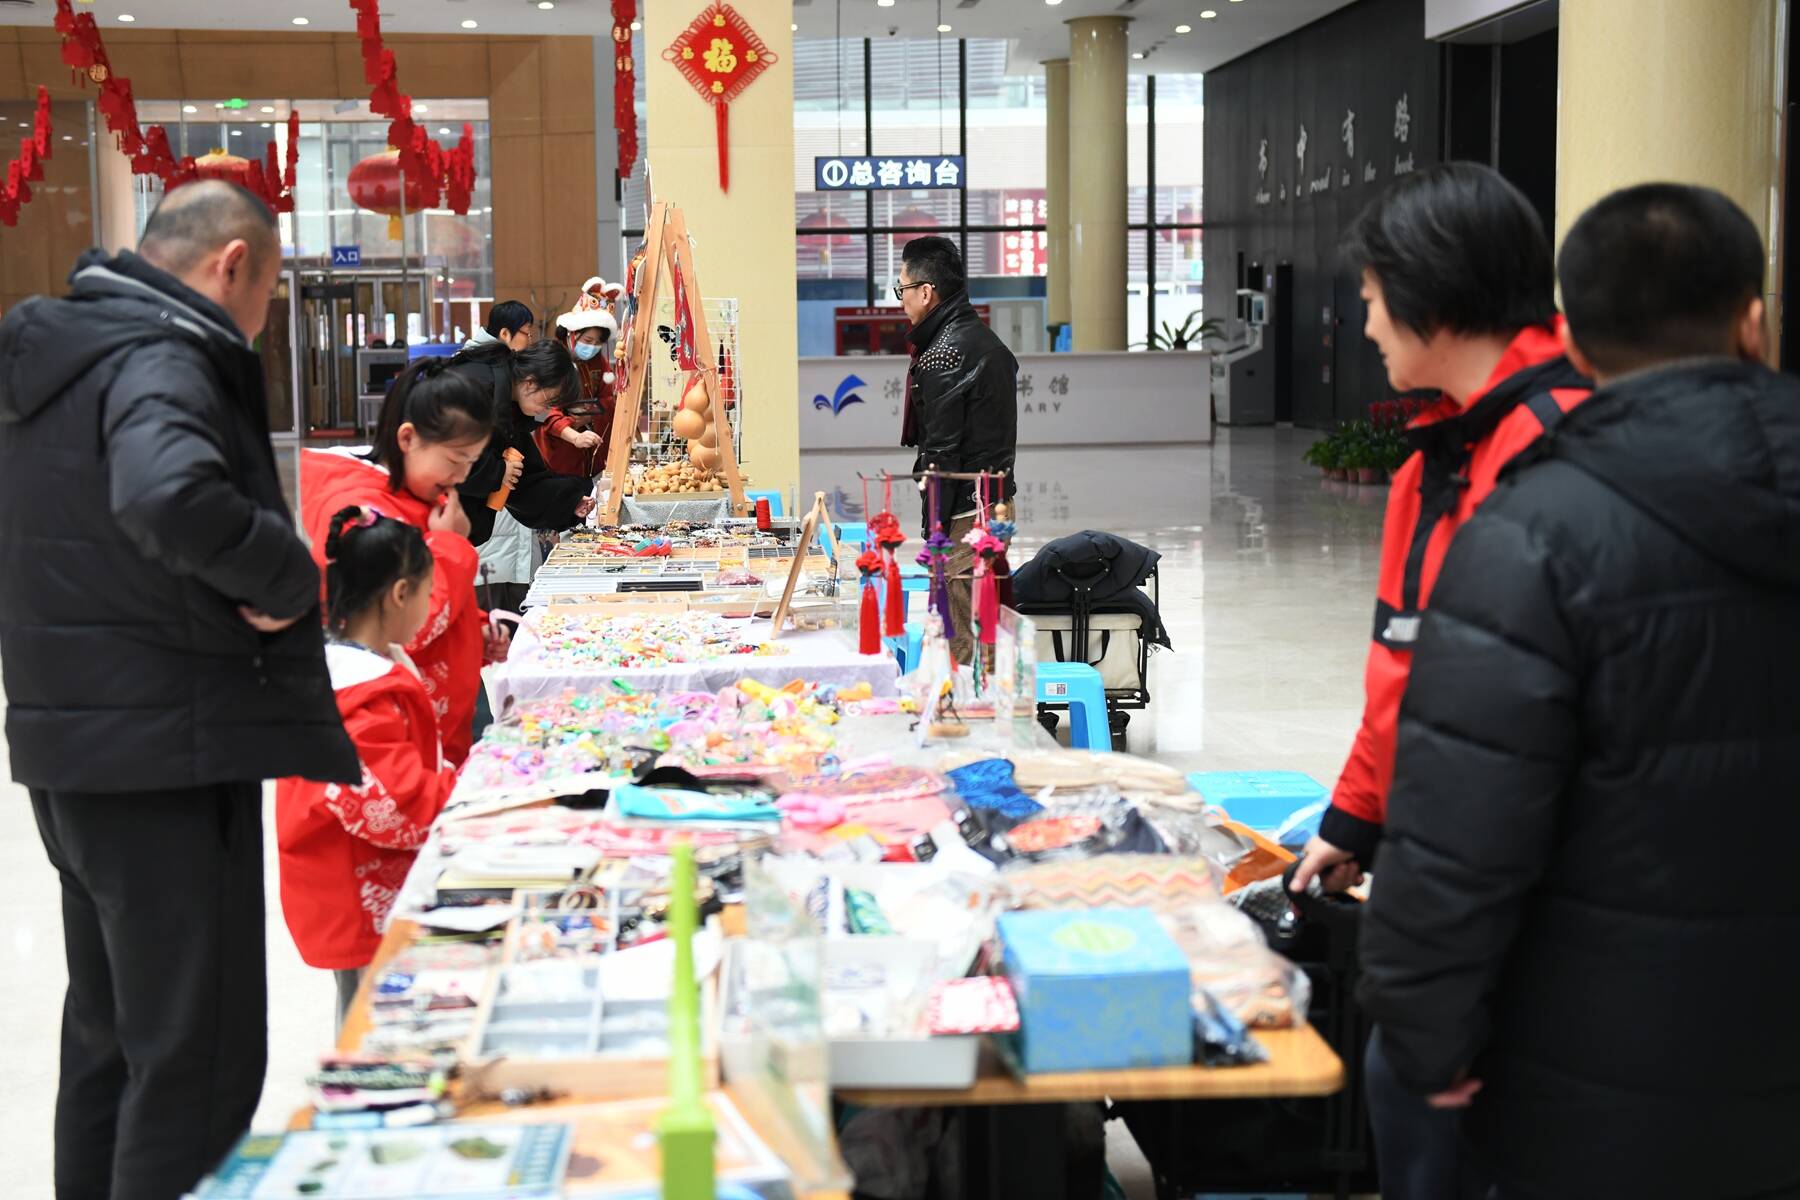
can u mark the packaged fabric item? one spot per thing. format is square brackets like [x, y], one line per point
[1263, 800]
[1159, 882]
[1228, 957]
[977, 1004]
[988, 785]
[673, 804]
[1098, 990]
[1034, 770]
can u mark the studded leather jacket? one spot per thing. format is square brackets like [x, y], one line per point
[962, 401]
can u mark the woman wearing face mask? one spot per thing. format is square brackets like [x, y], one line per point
[574, 439]
[527, 385]
[435, 426]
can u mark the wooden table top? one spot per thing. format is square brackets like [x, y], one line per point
[1300, 1064]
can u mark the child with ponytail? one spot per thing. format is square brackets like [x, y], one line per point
[435, 424]
[346, 850]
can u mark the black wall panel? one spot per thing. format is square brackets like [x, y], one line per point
[1364, 59]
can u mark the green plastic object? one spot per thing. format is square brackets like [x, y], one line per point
[685, 1129]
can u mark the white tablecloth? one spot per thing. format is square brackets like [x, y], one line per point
[825, 657]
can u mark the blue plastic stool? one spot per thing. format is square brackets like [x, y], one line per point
[1078, 686]
[915, 645]
[897, 647]
[776, 508]
[1263, 800]
[854, 535]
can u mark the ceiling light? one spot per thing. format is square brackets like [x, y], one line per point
[546, 5]
[266, 125]
[943, 29]
[420, 108]
[444, 132]
[1053, 3]
[1137, 54]
[1207, 14]
[1184, 29]
[884, 3]
[471, 24]
[301, 21]
[268, 108]
[792, 28]
[637, 24]
[237, 133]
[189, 108]
[221, 104]
[68, 137]
[127, 18]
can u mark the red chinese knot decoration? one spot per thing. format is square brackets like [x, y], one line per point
[433, 173]
[624, 12]
[720, 55]
[85, 56]
[28, 167]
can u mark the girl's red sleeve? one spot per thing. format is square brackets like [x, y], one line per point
[401, 793]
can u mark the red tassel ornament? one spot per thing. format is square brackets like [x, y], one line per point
[868, 621]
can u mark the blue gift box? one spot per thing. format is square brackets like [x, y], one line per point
[1098, 990]
[1260, 799]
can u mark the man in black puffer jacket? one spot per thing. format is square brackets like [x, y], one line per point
[1607, 688]
[159, 622]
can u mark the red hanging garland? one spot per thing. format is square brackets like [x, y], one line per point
[624, 12]
[447, 175]
[85, 55]
[28, 167]
[720, 55]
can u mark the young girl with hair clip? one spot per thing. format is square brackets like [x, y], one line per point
[434, 426]
[345, 851]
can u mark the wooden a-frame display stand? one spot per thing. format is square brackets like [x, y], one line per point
[666, 247]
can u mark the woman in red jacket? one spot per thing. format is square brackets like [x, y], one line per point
[574, 439]
[434, 426]
[345, 851]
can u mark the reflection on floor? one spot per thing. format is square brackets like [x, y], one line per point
[1268, 578]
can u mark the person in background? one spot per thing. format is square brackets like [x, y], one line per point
[509, 324]
[962, 407]
[583, 427]
[527, 386]
[1457, 277]
[1608, 666]
[345, 851]
[1456, 273]
[159, 624]
[434, 427]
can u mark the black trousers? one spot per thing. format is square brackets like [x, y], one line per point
[1418, 1148]
[165, 1024]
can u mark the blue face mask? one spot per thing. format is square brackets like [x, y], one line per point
[587, 351]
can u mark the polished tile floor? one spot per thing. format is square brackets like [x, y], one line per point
[1268, 578]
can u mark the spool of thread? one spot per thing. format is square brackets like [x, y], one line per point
[763, 520]
[497, 498]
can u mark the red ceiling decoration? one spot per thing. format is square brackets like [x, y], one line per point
[720, 55]
[28, 167]
[433, 173]
[85, 55]
[624, 12]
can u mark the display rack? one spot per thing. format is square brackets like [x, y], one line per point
[668, 251]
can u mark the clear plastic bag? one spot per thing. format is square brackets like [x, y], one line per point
[1228, 958]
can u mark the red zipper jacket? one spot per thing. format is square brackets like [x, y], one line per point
[449, 648]
[1458, 457]
[596, 390]
[345, 850]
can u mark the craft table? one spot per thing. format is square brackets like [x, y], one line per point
[824, 657]
[400, 935]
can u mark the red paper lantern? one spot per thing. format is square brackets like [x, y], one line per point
[374, 186]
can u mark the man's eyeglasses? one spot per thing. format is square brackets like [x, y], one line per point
[900, 289]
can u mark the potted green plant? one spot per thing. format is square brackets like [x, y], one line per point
[1323, 454]
[1181, 337]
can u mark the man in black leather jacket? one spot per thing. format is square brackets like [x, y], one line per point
[1606, 674]
[159, 617]
[962, 410]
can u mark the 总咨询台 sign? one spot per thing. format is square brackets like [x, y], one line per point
[887, 173]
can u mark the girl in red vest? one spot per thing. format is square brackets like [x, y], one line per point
[345, 850]
[433, 428]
